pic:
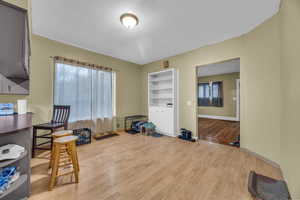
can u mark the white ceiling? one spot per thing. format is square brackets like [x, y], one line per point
[167, 27]
[219, 68]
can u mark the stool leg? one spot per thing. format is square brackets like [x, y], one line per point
[77, 161]
[54, 172]
[74, 161]
[76, 156]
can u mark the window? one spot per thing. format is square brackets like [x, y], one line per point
[217, 94]
[88, 91]
[204, 94]
[210, 94]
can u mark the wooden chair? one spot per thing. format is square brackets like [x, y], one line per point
[60, 118]
[64, 155]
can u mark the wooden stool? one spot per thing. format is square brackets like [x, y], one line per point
[62, 133]
[64, 154]
[56, 135]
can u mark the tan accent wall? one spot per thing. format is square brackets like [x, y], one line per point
[41, 78]
[260, 75]
[290, 76]
[229, 93]
[259, 52]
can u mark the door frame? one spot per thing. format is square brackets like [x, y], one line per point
[196, 92]
[238, 93]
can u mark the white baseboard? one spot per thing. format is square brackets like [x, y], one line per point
[219, 117]
[271, 162]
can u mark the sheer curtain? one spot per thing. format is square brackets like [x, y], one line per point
[90, 94]
[102, 100]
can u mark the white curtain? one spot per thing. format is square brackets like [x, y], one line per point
[89, 92]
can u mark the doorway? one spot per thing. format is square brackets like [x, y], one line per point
[218, 95]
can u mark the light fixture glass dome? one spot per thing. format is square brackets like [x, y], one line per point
[129, 20]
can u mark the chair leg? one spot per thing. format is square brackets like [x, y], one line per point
[51, 156]
[34, 134]
[52, 131]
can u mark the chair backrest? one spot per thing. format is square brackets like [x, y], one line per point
[61, 114]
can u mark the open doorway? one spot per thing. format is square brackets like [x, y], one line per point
[218, 92]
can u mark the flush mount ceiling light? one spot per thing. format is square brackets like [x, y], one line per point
[129, 20]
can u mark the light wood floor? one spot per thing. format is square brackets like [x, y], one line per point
[142, 167]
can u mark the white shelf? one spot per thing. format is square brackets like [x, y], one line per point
[160, 105]
[166, 76]
[159, 89]
[9, 162]
[162, 98]
[161, 80]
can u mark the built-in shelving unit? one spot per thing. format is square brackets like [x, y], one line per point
[162, 100]
[161, 92]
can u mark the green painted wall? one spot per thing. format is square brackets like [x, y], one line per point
[229, 94]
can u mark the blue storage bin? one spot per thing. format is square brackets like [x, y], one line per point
[6, 109]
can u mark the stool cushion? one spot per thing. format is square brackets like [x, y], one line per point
[66, 139]
[63, 132]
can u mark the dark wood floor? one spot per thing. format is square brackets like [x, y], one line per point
[218, 131]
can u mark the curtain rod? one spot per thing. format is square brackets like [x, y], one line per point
[86, 64]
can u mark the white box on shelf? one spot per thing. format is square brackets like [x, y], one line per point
[22, 106]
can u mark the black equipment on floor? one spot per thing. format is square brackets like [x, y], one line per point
[265, 188]
[236, 143]
[157, 135]
[84, 136]
[186, 135]
[136, 126]
[134, 120]
[109, 134]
